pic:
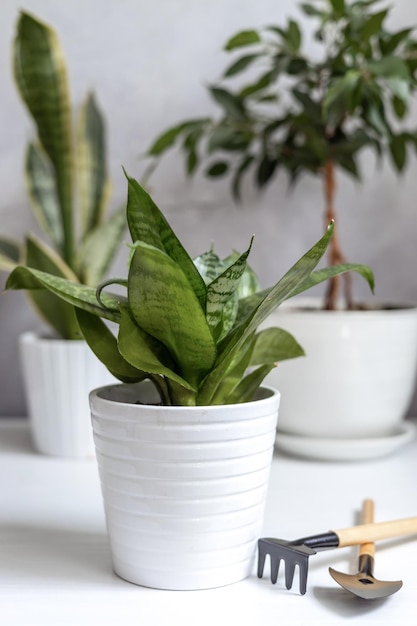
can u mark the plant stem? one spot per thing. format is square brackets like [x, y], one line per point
[335, 253]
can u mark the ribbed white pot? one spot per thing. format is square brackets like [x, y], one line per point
[58, 376]
[184, 488]
[358, 375]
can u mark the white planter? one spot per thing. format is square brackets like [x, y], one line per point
[358, 377]
[58, 376]
[183, 487]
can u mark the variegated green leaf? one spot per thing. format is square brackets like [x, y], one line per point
[104, 345]
[249, 283]
[58, 314]
[91, 165]
[282, 290]
[9, 254]
[99, 248]
[78, 295]
[41, 183]
[222, 292]
[147, 224]
[210, 265]
[235, 372]
[248, 386]
[41, 76]
[145, 352]
[274, 345]
[164, 305]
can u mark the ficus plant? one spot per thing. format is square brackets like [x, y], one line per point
[189, 326]
[79, 241]
[308, 109]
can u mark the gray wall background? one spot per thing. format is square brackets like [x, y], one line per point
[148, 63]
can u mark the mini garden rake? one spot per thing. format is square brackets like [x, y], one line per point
[295, 553]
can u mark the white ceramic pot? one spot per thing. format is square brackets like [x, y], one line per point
[58, 376]
[183, 487]
[358, 375]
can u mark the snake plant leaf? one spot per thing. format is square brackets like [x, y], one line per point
[320, 276]
[222, 300]
[147, 224]
[99, 247]
[210, 265]
[274, 345]
[41, 77]
[164, 305]
[41, 184]
[58, 314]
[282, 290]
[9, 254]
[91, 164]
[248, 386]
[104, 345]
[143, 352]
[249, 283]
[235, 372]
[81, 296]
[247, 304]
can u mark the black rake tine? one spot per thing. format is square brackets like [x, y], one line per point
[291, 554]
[275, 563]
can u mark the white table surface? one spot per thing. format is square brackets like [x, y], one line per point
[55, 566]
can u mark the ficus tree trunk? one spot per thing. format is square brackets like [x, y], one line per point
[335, 254]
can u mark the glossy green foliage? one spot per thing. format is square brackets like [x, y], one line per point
[284, 108]
[81, 242]
[189, 326]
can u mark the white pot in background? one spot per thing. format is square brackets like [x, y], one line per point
[58, 376]
[184, 488]
[357, 378]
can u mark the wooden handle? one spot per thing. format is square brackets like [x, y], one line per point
[374, 532]
[367, 517]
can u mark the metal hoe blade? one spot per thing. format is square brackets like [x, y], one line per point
[363, 583]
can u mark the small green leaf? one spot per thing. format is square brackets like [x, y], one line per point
[228, 138]
[293, 35]
[338, 7]
[310, 10]
[398, 151]
[399, 106]
[390, 67]
[231, 103]
[167, 139]
[373, 25]
[244, 38]
[220, 168]
[239, 174]
[266, 169]
[240, 65]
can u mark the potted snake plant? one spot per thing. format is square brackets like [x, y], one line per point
[184, 443]
[78, 240]
[303, 110]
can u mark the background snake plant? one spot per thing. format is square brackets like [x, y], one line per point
[78, 241]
